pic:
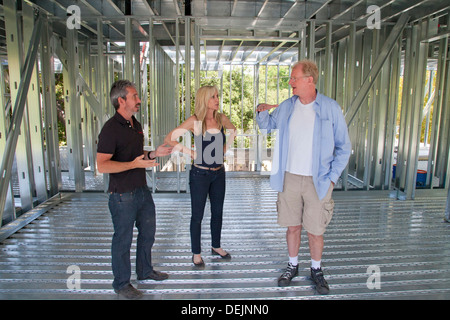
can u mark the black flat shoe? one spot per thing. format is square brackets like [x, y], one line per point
[198, 265]
[226, 257]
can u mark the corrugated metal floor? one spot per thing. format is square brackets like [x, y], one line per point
[407, 240]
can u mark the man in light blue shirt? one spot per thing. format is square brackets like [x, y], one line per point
[312, 150]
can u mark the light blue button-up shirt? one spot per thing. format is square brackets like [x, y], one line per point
[331, 143]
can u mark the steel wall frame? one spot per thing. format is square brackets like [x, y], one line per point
[368, 99]
[17, 140]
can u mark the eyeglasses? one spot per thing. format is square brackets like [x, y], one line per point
[295, 79]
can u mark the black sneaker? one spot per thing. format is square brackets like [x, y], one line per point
[321, 284]
[285, 279]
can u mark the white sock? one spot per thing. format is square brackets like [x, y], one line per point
[315, 264]
[293, 260]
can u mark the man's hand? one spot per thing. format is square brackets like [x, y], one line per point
[265, 106]
[139, 162]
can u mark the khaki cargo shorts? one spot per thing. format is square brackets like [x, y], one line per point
[299, 204]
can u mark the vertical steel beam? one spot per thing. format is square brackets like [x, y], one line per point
[255, 103]
[350, 69]
[140, 115]
[421, 55]
[349, 87]
[394, 84]
[177, 63]
[187, 66]
[311, 39]
[90, 108]
[197, 56]
[328, 68]
[102, 90]
[381, 95]
[34, 111]
[84, 106]
[302, 43]
[412, 105]
[402, 140]
[242, 98]
[50, 109]
[443, 156]
[22, 148]
[145, 102]
[436, 166]
[152, 92]
[72, 89]
[129, 50]
[446, 90]
[109, 76]
[340, 72]
[372, 95]
[9, 209]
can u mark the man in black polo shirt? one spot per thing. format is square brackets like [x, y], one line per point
[120, 153]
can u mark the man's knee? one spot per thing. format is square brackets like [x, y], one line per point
[294, 229]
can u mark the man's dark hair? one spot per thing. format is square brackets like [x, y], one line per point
[119, 90]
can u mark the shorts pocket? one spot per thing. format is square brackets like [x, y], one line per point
[327, 211]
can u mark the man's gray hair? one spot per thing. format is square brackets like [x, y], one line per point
[119, 90]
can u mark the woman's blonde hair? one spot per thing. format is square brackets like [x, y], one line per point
[201, 106]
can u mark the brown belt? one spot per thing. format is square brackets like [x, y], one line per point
[206, 168]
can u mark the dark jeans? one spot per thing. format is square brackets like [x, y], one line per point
[203, 182]
[126, 210]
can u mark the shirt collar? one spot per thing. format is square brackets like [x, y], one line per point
[122, 120]
[317, 102]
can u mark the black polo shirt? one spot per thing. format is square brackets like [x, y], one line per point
[125, 142]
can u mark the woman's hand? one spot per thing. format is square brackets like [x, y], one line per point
[162, 151]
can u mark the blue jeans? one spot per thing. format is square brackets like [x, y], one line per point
[126, 210]
[203, 182]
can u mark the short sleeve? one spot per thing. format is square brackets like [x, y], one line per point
[106, 140]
